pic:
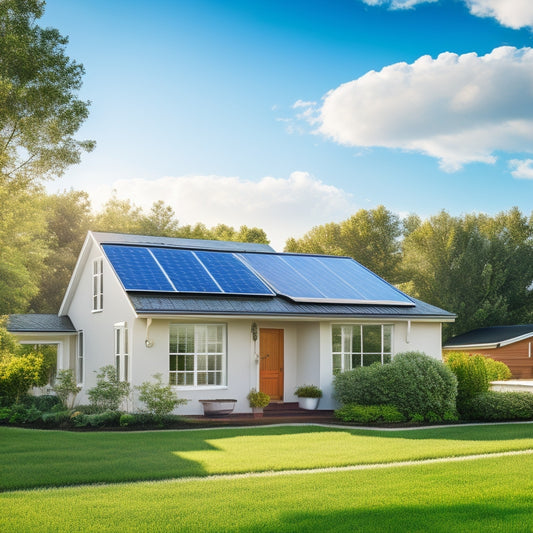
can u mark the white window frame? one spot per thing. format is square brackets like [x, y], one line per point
[199, 357]
[80, 357]
[351, 358]
[122, 352]
[98, 285]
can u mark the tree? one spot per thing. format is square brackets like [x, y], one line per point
[39, 110]
[160, 221]
[119, 216]
[68, 218]
[476, 266]
[23, 246]
[371, 237]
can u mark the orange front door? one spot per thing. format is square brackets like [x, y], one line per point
[271, 366]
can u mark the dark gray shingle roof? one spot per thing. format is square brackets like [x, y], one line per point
[39, 323]
[169, 304]
[490, 335]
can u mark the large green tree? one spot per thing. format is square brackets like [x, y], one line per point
[479, 267]
[371, 237]
[39, 109]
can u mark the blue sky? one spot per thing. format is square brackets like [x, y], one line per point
[290, 114]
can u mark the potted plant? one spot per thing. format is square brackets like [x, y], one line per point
[308, 396]
[258, 400]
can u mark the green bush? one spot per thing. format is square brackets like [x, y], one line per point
[160, 399]
[127, 420]
[109, 392]
[45, 402]
[413, 382]
[104, 419]
[500, 406]
[496, 370]
[308, 391]
[19, 373]
[365, 414]
[66, 388]
[471, 374]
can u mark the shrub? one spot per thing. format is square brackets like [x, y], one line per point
[413, 382]
[109, 392]
[45, 402]
[66, 388]
[160, 400]
[127, 420]
[496, 370]
[500, 406]
[258, 398]
[471, 374]
[365, 414]
[19, 373]
[308, 391]
[104, 419]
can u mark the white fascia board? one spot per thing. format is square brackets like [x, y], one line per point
[517, 339]
[76, 274]
[472, 346]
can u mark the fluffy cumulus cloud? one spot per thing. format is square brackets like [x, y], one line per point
[283, 207]
[456, 108]
[522, 168]
[512, 13]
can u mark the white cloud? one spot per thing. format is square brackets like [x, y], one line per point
[522, 168]
[512, 13]
[457, 108]
[398, 4]
[282, 207]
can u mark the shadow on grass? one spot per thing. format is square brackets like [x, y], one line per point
[434, 518]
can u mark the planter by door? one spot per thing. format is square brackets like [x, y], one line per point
[218, 407]
[308, 403]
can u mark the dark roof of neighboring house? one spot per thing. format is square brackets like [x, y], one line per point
[491, 335]
[173, 242]
[39, 324]
[169, 304]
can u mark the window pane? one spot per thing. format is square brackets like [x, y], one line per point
[189, 362]
[387, 339]
[369, 359]
[356, 339]
[173, 363]
[337, 362]
[202, 378]
[336, 339]
[202, 362]
[347, 362]
[372, 339]
[126, 377]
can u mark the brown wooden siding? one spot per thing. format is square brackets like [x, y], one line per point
[515, 356]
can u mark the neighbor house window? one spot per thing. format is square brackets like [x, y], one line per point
[197, 355]
[360, 345]
[122, 351]
[80, 354]
[98, 284]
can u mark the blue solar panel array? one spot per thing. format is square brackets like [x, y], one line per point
[324, 279]
[175, 270]
[299, 277]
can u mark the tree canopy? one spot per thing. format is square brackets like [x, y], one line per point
[39, 109]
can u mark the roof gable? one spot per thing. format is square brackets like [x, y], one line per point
[47, 323]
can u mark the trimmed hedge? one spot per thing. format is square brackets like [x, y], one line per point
[499, 406]
[365, 414]
[413, 382]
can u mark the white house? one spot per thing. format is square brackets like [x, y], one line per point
[219, 318]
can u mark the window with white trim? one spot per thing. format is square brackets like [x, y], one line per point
[98, 284]
[360, 345]
[79, 357]
[122, 351]
[197, 355]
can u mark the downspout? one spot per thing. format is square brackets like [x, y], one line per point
[148, 342]
[408, 335]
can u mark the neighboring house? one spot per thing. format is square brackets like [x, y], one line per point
[219, 318]
[512, 345]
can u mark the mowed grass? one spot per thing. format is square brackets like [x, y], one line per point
[33, 458]
[491, 494]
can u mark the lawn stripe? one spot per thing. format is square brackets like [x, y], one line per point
[280, 473]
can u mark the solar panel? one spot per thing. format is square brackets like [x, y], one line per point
[328, 279]
[231, 274]
[137, 269]
[185, 270]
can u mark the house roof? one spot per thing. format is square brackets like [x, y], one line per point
[39, 323]
[491, 337]
[170, 304]
[173, 242]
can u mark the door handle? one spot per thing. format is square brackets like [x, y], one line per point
[265, 356]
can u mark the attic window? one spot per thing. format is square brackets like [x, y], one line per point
[98, 284]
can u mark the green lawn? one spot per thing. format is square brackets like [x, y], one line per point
[489, 494]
